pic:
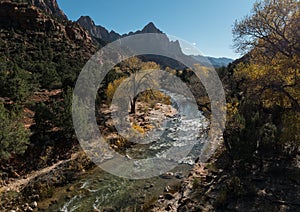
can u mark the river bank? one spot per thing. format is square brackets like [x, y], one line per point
[25, 193]
[222, 184]
[75, 183]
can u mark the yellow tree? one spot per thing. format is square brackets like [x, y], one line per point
[266, 84]
[270, 28]
[133, 68]
[270, 36]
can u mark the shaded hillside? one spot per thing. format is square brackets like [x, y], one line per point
[30, 37]
[38, 53]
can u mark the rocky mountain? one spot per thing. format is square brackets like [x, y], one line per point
[149, 28]
[100, 32]
[97, 31]
[31, 21]
[104, 36]
[27, 29]
[39, 54]
[162, 43]
[219, 62]
[216, 62]
[49, 7]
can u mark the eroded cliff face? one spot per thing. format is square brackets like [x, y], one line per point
[160, 42]
[49, 6]
[25, 19]
[97, 31]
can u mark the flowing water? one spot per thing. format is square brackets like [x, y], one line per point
[101, 191]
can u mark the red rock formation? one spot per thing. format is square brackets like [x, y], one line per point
[50, 7]
[27, 18]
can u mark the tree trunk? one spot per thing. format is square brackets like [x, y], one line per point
[133, 105]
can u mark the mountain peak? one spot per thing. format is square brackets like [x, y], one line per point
[87, 20]
[151, 28]
[97, 31]
[50, 7]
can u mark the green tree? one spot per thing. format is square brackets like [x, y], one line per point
[15, 83]
[13, 135]
[43, 118]
[55, 117]
[63, 114]
[48, 76]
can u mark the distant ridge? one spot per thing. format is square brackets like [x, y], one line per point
[216, 62]
[102, 34]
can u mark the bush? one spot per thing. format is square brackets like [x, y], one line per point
[13, 136]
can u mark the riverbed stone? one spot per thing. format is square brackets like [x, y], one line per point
[167, 189]
[28, 209]
[34, 204]
[71, 188]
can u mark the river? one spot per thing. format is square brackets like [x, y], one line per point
[98, 190]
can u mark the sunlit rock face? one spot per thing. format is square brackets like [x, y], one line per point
[50, 7]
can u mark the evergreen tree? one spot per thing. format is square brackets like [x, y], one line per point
[13, 136]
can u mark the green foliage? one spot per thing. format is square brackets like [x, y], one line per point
[13, 136]
[112, 75]
[222, 72]
[232, 189]
[43, 123]
[49, 78]
[63, 113]
[54, 117]
[47, 61]
[250, 131]
[14, 82]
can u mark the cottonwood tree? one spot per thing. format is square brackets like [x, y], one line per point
[270, 36]
[132, 67]
[270, 27]
[265, 100]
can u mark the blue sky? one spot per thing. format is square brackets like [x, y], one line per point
[205, 23]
